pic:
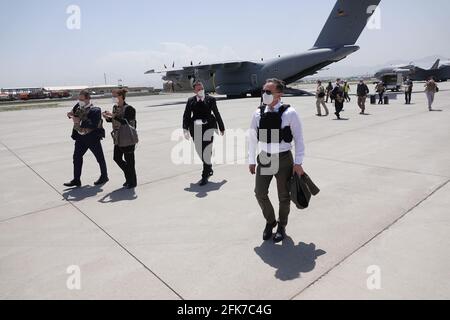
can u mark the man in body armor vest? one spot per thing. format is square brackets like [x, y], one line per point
[275, 126]
[87, 132]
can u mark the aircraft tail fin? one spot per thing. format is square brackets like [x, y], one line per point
[346, 23]
[436, 64]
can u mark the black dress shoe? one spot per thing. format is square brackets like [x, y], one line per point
[203, 182]
[73, 183]
[280, 235]
[268, 231]
[101, 181]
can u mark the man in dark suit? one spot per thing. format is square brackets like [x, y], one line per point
[88, 133]
[200, 120]
[338, 96]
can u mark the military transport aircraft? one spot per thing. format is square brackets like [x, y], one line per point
[236, 79]
[440, 72]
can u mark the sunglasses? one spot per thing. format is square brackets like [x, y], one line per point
[268, 92]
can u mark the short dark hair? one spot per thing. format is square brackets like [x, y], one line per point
[121, 92]
[85, 94]
[197, 83]
[278, 83]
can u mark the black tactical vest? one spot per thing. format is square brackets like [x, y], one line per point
[270, 126]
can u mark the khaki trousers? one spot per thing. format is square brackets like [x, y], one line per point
[362, 103]
[279, 166]
[321, 102]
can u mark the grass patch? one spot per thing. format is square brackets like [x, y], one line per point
[20, 107]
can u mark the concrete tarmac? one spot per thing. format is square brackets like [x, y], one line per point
[379, 229]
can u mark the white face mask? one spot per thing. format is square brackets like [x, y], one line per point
[115, 100]
[267, 99]
[81, 104]
[201, 94]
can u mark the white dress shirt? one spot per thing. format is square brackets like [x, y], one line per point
[289, 118]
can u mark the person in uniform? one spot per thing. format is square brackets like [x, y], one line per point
[88, 133]
[329, 89]
[274, 127]
[320, 100]
[362, 91]
[338, 96]
[408, 90]
[200, 120]
[347, 92]
[122, 115]
[380, 89]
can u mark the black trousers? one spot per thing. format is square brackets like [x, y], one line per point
[81, 147]
[408, 95]
[204, 148]
[381, 96]
[124, 157]
[347, 97]
[339, 106]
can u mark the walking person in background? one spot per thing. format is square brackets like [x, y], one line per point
[200, 120]
[320, 100]
[408, 90]
[346, 92]
[362, 91]
[380, 89]
[430, 90]
[338, 96]
[329, 89]
[123, 115]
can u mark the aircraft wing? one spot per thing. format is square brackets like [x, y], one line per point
[153, 71]
[401, 70]
[230, 65]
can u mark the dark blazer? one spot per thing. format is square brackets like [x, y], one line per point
[202, 111]
[301, 189]
[362, 90]
[93, 121]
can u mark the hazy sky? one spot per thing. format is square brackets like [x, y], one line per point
[125, 39]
